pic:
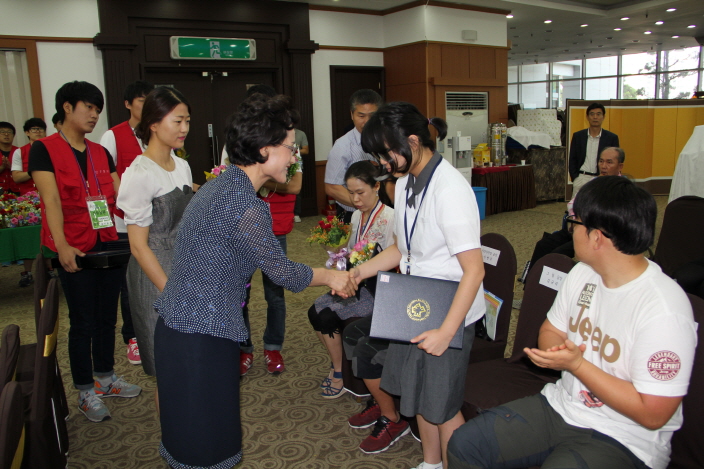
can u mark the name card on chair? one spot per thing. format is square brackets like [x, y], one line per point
[490, 255]
[552, 278]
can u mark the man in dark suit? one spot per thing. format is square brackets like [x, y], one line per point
[587, 145]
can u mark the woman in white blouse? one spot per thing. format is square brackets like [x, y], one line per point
[154, 192]
[372, 222]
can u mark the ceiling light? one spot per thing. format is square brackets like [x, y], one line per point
[670, 10]
[583, 25]
[625, 18]
[609, 38]
[648, 32]
[675, 37]
[623, 48]
[659, 22]
[509, 16]
[617, 29]
[600, 46]
[547, 21]
[692, 26]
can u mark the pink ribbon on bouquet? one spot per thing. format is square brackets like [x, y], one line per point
[338, 259]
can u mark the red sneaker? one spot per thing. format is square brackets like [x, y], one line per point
[133, 352]
[367, 417]
[274, 361]
[384, 435]
[246, 360]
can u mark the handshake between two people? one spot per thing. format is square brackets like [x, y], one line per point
[344, 283]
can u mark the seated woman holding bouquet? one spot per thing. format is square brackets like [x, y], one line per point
[372, 223]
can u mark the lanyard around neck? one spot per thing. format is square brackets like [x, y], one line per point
[362, 230]
[409, 237]
[84, 179]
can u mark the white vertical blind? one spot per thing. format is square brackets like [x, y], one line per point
[15, 92]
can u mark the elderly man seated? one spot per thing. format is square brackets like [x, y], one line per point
[623, 335]
[610, 164]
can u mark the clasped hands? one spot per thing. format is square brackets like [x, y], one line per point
[344, 283]
[566, 356]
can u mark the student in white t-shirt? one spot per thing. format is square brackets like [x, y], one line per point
[437, 236]
[623, 335]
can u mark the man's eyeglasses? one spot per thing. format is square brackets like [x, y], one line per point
[571, 221]
[37, 130]
[6, 132]
[293, 148]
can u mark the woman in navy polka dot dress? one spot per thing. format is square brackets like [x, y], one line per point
[225, 235]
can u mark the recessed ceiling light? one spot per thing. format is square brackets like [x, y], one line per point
[625, 18]
[659, 22]
[583, 25]
[600, 46]
[548, 30]
[509, 16]
[566, 50]
[547, 21]
[648, 32]
[541, 49]
[512, 27]
[580, 35]
[609, 38]
[670, 10]
[675, 37]
[608, 54]
[516, 36]
[692, 26]
[547, 40]
[636, 40]
[623, 48]
[617, 29]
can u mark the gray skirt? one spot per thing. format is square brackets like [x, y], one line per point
[428, 385]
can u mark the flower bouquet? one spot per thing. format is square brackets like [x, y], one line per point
[215, 172]
[295, 167]
[20, 211]
[361, 253]
[333, 235]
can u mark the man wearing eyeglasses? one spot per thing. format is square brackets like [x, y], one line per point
[586, 146]
[623, 336]
[34, 129]
[7, 135]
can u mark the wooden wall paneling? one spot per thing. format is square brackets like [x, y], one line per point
[405, 64]
[454, 62]
[321, 197]
[482, 64]
[30, 48]
[416, 94]
[501, 65]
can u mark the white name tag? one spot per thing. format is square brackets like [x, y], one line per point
[552, 278]
[490, 255]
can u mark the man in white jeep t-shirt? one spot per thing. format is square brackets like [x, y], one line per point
[623, 335]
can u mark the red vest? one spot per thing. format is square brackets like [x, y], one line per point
[281, 207]
[127, 150]
[27, 186]
[127, 146]
[78, 228]
[6, 181]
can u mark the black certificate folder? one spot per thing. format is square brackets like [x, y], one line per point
[406, 306]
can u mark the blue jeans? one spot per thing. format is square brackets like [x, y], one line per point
[275, 313]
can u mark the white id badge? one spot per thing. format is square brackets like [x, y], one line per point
[407, 265]
[99, 212]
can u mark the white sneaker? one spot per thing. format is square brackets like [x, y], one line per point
[296, 218]
[423, 465]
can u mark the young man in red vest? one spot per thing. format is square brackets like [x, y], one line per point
[78, 186]
[124, 146]
[34, 129]
[7, 135]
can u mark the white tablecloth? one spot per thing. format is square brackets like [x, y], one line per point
[689, 173]
[527, 138]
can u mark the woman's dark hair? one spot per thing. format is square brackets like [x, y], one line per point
[622, 211]
[260, 121]
[158, 104]
[365, 171]
[75, 91]
[34, 122]
[389, 129]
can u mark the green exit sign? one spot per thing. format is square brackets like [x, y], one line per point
[212, 48]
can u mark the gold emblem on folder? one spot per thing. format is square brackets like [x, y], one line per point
[418, 309]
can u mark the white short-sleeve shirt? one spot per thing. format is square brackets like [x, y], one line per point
[448, 223]
[642, 332]
[143, 181]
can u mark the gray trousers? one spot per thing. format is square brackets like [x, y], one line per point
[528, 432]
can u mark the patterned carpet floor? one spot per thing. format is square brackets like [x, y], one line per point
[286, 424]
